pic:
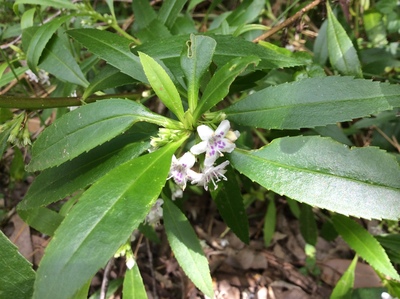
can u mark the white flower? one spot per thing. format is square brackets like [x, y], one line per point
[214, 143]
[210, 174]
[155, 214]
[42, 79]
[180, 169]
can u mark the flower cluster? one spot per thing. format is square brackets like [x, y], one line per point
[213, 144]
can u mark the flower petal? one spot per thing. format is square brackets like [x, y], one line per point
[199, 148]
[205, 132]
[187, 160]
[223, 128]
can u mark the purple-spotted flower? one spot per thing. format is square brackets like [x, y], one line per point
[180, 169]
[210, 174]
[215, 143]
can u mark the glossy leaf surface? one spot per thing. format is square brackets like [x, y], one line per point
[186, 247]
[326, 174]
[67, 137]
[342, 54]
[40, 39]
[104, 217]
[218, 87]
[162, 85]
[313, 102]
[195, 60]
[56, 183]
[228, 47]
[58, 60]
[364, 244]
[16, 275]
[112, 48]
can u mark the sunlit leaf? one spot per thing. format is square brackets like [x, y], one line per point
[326, 174]
[313, 102]
[104, 218]
[364, 244]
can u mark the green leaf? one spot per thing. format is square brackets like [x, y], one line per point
[186, 247]
[308, 225]
[53, 3]
[218, 87]
[228, 47]
[344, 287]
[3, 140]
[108, 77]
[40, 39]
[162, 85]
[68, 136]
[133, 284]
[230, 205]
[195, 61]
[364, 244]
[42, 219]
[326, 174]
[9, 76]
[16, 275]
[170, 10]
[321, 45]
[27, 18]
[375, 27]
[313, 102]
[112, 48]
[58, 182]
[342, 53]
[58, 60]
[144, 13]
[246, 13]
[104, 217]
[269, 223]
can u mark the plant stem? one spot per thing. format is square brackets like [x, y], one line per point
[43, 103]
[288, 21]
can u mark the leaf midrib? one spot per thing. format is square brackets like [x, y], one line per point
[297, 168]
[304, 104]
[99, 219]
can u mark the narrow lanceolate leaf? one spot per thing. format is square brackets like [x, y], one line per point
[364, 244]
[269, 223]
[103, 219]
[112, 48]
[85, 128]
[170, 10]
[186, 247]
[162, 85]
[42, 219]
[344, 287]
[230, 205]
[57, 183]
[313, 102]
[58, 60]
[108, 77]
[218, 87]
[308, 225]
[53, 3]
[326, 174]
[342, 54]
[40, 39]
[195, 60]
[133, 284]
[228, 47]
[16, 275]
